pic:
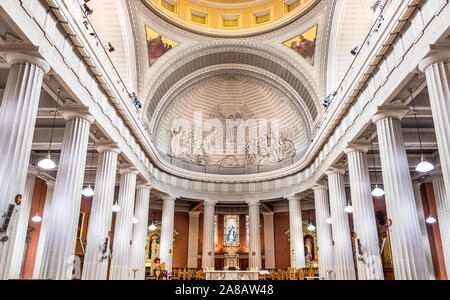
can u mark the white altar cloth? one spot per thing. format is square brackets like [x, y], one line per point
[232, 275]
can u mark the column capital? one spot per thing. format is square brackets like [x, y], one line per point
[390, 111]
[32, 171]
[14, 58]
[70, 112]
[169, 198]
[338, 169]
[269, 214]
[433, 58]
[294, 198]
[144, 186]
[128, 169]
[320, 186]
[357, 147]
[104, 145]
[194, 214]
[251, 203]
[210, 202]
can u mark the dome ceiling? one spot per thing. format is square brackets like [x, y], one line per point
[230, 17]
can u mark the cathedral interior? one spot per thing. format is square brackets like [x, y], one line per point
[224, 140]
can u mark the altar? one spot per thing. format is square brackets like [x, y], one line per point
[232, 275]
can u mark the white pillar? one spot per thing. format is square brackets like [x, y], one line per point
[65, 211]
[437, 70]
[296, 230]
[443, 215]
[40, 263]
[14, 248]
[95, 266]
[324, 237]
[255, 236]
[208, 258]
[194, 217]
[423, 229]
[140, 230]
[344, 266]
[17, 120]
[269, 241]
[406, 242]
[167, 227]
[123, 233]
[369, 263]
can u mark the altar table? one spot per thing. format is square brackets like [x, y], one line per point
[232, 275]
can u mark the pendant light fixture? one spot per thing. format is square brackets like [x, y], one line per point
[424, 166]
[116, 207]
[47, 163]
[152, 226]
[349, 208]
[88, 191]
[377, 191]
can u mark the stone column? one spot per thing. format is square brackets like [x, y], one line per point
[65, 211]
[17, 120]
[95, 266]
[140, 230]
[423, 229]
[208, 258]
[344, 266]
[406, 241]
[40, 263]
[369, 262]
[443, 215]
[255, 236]
[437, 70]
[123, 233]
[324, 238]
[167, 227]
[14, 248]
[269, 240]
[194, 217]
[296, 230]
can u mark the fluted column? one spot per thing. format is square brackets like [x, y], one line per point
[344, 266]
[324, 237]
[406, 242]
[65, 208]
[443, 215]
[208, 258]
[423, 229]
[40, 263]
[17, 121]
[167, 223]
[269, 241]
[296, 230]
[255, 236]
[369, 263]
[437, 70]
[95, 266]
[14, 248]
[140, 230]
[123, 234]
[194, 217]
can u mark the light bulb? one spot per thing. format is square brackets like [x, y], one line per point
[330, 221]
[47, 163]
[152, 227]
[378, 192]
[135, 220]
[424, 166]
[116, 207]
[431, 220]
[36, 219]
[88, 192]
[349, 209]
[311, 227]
